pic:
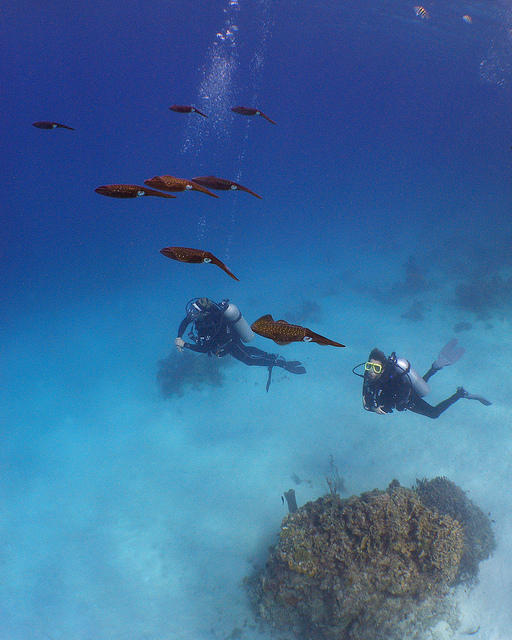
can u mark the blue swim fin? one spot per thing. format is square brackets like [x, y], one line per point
[449, 354]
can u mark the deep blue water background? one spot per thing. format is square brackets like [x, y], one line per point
[384, 126]
[393, 141]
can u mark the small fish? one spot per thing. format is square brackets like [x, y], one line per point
[183, 108]
[129, 191]
[222, 185]
[50, 125]
[421, 12]
[282, 333]
[195, 256]
[170, 183]
[249, 111]
[467, 19]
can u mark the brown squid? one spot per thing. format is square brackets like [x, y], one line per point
[50, 125]
[170, 183]
[129, 191]
[281, 332]
[222, 185]
[195, 256]
[183, 108]
[249, 111]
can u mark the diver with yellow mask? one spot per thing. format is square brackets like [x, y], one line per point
[390, 383]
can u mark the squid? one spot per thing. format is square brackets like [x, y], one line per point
[249, 111]
[195, 256]
[170, 183]
[282, 333]
[182, 108]
[50, 125]
[129, 191]
[222, 185]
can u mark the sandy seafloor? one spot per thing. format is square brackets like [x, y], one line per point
[125, 515]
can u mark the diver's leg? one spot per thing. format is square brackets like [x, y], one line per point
[433, 369]
[251, 356]
[256, 357]
[426, 409]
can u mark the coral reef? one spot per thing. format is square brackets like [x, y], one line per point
[414, 278]
[448, 499]
[473, 278]
[483, 272]
[462, 326]
[492, 293]
[373, 567]
[415, 312]
[410, 288]
[180, 373]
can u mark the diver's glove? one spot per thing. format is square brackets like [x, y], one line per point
[180, 344]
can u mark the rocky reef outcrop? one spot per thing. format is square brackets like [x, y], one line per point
[373, 567]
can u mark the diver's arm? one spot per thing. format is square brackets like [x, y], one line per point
[183, 325]
[179, 342]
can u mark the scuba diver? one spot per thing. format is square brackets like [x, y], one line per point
[391, 383]
[219, 329]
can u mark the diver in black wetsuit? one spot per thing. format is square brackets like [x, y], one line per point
[219, 329]
[390, 383]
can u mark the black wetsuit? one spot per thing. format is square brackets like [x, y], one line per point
[214, 335]
[393, 391]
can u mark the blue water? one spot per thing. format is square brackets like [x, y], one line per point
[386, 188]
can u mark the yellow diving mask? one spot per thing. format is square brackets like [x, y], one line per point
[376, 366]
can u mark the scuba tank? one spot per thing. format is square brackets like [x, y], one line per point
[412, 377]
[237, 321]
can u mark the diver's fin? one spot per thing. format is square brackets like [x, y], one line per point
[269, 380]
[449, 354]
[484, 401]
[294, 366]
[471, 396]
